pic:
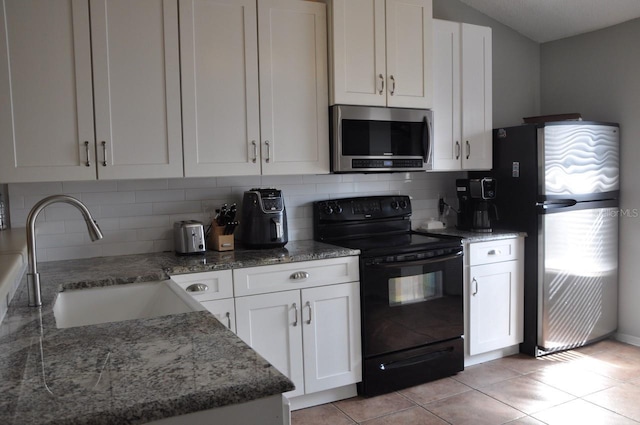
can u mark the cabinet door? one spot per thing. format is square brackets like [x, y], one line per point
[219, 71]
[446, 95]
[495, 306]
[137, 88]
[331, 331]
[294, 123]
[358, 43]
[477, 118]
[223, 310]
[46, 101]
[270, 324]
[409, 47]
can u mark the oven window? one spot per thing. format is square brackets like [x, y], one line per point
[414, 289]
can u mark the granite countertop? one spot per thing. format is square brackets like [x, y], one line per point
[134, 371]
[470, 237]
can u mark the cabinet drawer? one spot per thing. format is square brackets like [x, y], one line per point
[493, 251]
[224, 311]
[218, 284]
[304, 274]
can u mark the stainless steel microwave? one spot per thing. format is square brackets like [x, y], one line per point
[374, 139]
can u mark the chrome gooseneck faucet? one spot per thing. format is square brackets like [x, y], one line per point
[33, 277]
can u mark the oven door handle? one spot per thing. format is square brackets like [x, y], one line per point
[419, 262]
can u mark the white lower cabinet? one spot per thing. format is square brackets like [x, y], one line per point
[302, 317]
[495, 287]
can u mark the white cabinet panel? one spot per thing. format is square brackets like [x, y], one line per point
[381, 52]
[294, 123]
[137, 88]
[46, 100]
[223, 310]
[462, 72]
[331, 334]
[219, 65]
[270, 324]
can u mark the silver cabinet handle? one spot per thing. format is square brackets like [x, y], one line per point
[457, 150]
[86, 149]
[104, 153]
[228, 315]
[468, 149]
[197, 287]
[381, 83]
[393, 84]
[255, 151]
[494, 252]
[295, 309]
[310, 312]
[268, 158]
[476, 286]
[299, 276]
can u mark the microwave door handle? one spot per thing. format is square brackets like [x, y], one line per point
[426, 146]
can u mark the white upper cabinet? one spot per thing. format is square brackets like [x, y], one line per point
[232, 127]
[220, 104]
[136, 71]
[46, 100]
[381, 52]
[294, 118]
[462, 74]
[54, 55]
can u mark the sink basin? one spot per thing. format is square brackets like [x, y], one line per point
[121, 302]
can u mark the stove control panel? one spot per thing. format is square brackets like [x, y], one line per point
[362, 208]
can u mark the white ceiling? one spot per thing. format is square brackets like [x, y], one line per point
[548, 20]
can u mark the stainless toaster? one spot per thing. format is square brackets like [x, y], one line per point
[188, 237]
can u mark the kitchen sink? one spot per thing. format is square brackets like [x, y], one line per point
[121, 302]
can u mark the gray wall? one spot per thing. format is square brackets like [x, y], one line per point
[516, 64]
[597, 74]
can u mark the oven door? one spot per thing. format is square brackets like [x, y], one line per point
[411, 304]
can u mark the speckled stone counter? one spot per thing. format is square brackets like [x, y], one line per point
[135, 371]
[475, 236]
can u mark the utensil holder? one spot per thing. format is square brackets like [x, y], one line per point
[220, 241]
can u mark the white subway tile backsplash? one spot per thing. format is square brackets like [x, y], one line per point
[159, 195]
[137, 216]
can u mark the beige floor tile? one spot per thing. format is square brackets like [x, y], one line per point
[526, 394]
[361, 409]
[581, 412]
[436, 390]
[623, 399]
[484, 374]
[608, 345]
[413, 416]
[614, 366]
[573, 379]
[325, 414]
[521, 363]
[473, 408]
[527, 420]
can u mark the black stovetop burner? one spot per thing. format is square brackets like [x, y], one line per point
[376, 225]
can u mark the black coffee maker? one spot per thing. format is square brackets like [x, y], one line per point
[475, 207]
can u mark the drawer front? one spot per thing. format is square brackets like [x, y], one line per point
[304, 274]
[493, 251]
[217, 285]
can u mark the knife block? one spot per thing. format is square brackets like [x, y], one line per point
[220, 241]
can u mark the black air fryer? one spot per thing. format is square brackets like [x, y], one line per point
[264, 219]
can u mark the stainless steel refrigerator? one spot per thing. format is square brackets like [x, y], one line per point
[559, 182]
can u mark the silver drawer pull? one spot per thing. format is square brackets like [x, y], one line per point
[494, 252]
[197, 287]
[299, 276]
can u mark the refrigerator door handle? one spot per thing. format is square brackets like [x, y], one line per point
[556, 204]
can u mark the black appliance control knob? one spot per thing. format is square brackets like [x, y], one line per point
[403, 204]
[328, 209]
[337, 208]
[394, 205]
